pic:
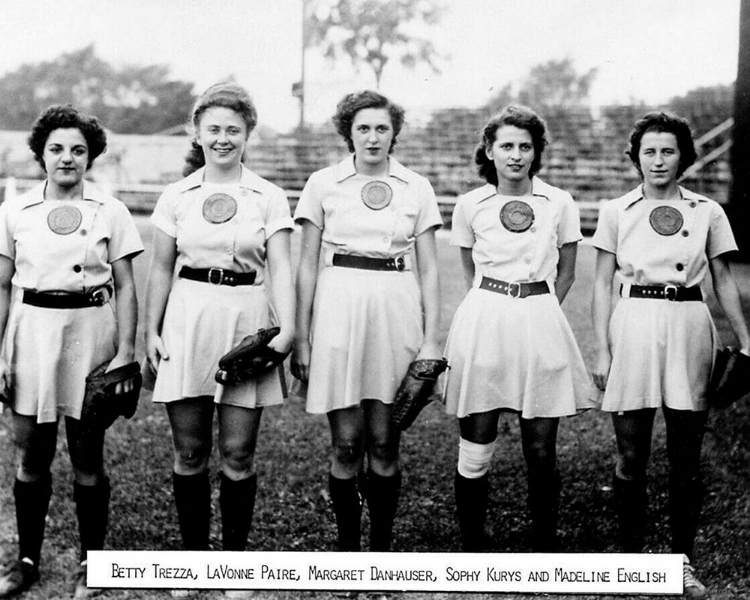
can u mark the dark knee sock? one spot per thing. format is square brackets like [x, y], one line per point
[92, 508]
[382, 502]
[630, 503]
[237, 502]
[685, 501]
[544, 503]
[347, 506]
[32, 501]
[471, 508]
[192, 496]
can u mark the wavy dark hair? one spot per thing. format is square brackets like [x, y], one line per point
[663, 122]
[352, 103]
[64, 116]
[517, 116]
[227, 95]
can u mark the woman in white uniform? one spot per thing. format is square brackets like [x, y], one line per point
[365, 316]
[67, 248]
[510, 347]
[655, 246]
[217, 230]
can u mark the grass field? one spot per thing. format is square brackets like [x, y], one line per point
[292, 510]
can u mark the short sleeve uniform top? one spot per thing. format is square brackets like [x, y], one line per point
[223, 226]
[359, 215]
[66, 245]
[516, 238]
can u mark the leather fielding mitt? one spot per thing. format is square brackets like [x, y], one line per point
[101, 405]
[250, 359]
[730, 379]
[416, 390]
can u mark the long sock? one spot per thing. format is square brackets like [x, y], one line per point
[32, 502]
[382, 502]
[192, 496]
[237, 502]
[471, 508]
[630, 503]
[347, 506]
[685, 501]
[92, 508]
[544, 503]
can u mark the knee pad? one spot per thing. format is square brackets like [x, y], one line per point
[474, 459]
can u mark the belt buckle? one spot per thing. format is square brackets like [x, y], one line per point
[510, 289]
[98, 297]
[218, 272]
[400, 263]
[670, 292]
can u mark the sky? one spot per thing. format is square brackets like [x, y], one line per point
[642, 49]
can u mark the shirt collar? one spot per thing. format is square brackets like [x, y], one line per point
[636, 195]
[36, 194]
[248, 180]
[346, 169]
[538, 188]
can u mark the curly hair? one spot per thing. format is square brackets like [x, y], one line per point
[663, 122]
[517, 116]
[352, 103]
[61, 116]
[227, 95]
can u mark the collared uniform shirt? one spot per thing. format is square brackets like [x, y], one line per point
[78, 257]
[332, 201]
[239, 242]
[645, 257]
[499, 253]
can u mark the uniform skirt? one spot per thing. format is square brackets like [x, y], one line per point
[367, 327]
[662, 353]
[201, 323]
[51, 351]
[514, 354]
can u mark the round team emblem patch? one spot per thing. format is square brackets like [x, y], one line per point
[64, 219]
[219, 208]
[377, 195]
[517, 216]
[665, 220]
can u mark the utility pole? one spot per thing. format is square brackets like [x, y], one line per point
[298, 88]
[739, 203]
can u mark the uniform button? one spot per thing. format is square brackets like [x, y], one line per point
[533, 229]
[693, 204]
[680, 266]
[77, 268]
[83, 232]
[685, 233]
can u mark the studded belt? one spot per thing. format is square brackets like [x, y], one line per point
[352, 261]
[218, 276]
[67, 300]
[513, 289]
[663, 292]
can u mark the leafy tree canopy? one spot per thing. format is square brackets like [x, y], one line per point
[132, 99]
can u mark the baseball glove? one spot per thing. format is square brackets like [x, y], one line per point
[250, 359]
[416, 390]
[730, 379]
[101, 405]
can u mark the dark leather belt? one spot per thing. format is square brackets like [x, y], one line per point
[515, 290]
[68, 300]
[353, 261]
[218, 276]
[665, 292]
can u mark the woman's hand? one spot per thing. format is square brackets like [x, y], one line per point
[601, 369]
[301, 360]
[282, 343]
[121, 359]
[430, 350]
[4, 380]
[155, 351]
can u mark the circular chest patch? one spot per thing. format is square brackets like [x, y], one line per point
[517, 216]
[64, 219]
[665, 220]
[377, 195]
[219, 208]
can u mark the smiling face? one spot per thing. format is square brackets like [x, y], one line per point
[513, 154]
[659, 159]
[222, 134]
[66, 157]
[372, 135]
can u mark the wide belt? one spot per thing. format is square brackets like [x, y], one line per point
[513, 289]
[67, 300]
[352, 261]
[663, 292]
[218, 276]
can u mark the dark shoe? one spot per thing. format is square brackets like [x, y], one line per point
[17, 577]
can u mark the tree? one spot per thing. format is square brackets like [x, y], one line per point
[132, 99]
[373, 32]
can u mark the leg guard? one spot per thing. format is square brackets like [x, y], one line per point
[192, 496]
[92, 508]
[32, 502]
[382, 501]
[347, 506]
[630, 503]
[237, 502]
[544, 503]
[471, 508]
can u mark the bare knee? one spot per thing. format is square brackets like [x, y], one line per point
[346, 453]
[384, 452]
[540, 456]
[191, 458]
[237, 460]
